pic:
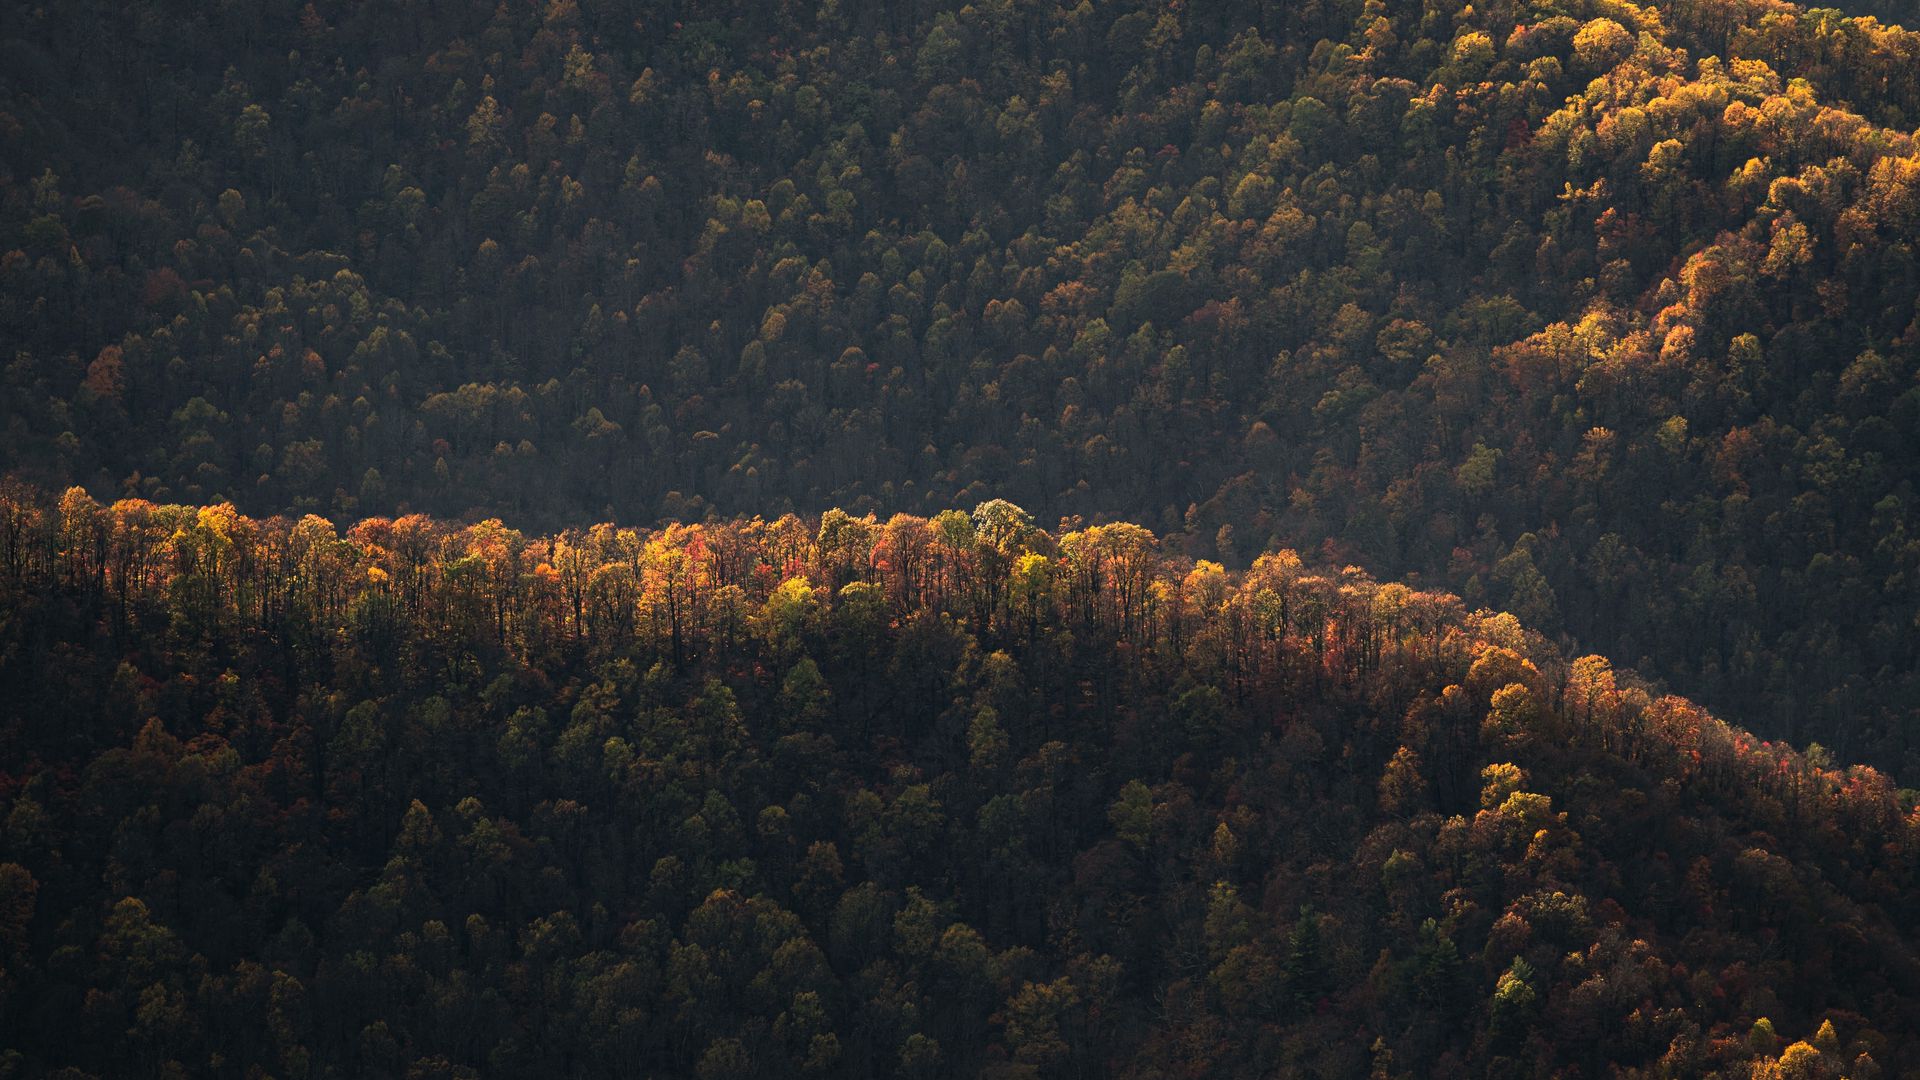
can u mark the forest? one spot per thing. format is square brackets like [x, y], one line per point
[1011, 538]
[1600, 313]
[926, 797]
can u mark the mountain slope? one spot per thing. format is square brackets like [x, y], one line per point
[1598, 312]
[930, 797]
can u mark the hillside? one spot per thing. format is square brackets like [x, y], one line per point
[1600, 313]
[929, 797]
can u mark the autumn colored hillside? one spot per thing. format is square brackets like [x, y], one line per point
[954, 796]
[1597, 312]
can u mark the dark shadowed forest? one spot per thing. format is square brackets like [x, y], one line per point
[930, 797]
[694, 538]
[1597, 313]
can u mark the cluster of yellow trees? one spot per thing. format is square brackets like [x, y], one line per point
[685, 590]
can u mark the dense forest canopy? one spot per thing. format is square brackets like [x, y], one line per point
[1110, 516]
[922, 797]
[1601, 313]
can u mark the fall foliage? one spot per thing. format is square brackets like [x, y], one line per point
[1599, 312]
[995, 539]
[958, 796]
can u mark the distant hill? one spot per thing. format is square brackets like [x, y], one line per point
[924, 797]
[1600, 313]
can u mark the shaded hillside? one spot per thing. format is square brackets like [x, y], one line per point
[947, 797]
[1600, 313]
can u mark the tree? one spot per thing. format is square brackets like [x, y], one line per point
[1514, 1002]
[1132, 813]
[1402, 789]
[1601, 44]
[1038, 1020]
[788, 614]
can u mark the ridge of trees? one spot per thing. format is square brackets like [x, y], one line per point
[1599, 312]
[924, 797]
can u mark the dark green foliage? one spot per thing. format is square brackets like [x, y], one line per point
[427, 800]
[1599, 313]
